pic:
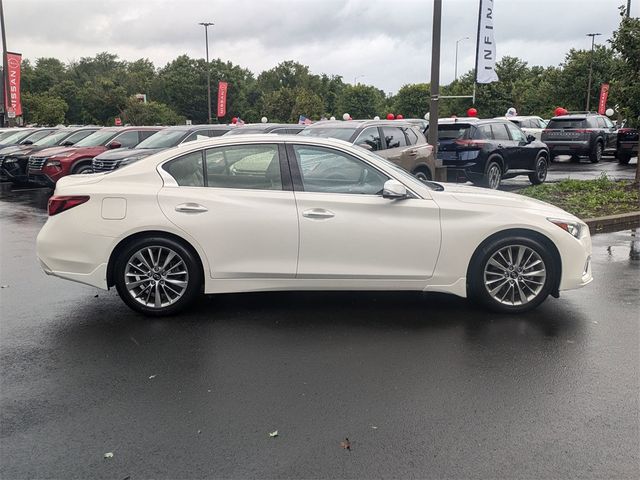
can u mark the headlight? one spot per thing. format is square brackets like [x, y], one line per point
[52, 163]
[577, 229]
[10, 160]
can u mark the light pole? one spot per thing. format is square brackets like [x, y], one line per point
[593, 39]
[206, 26]
[457, 42]
[355, 79]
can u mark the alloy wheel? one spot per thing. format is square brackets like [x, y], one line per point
[494, 176]
[541, 169]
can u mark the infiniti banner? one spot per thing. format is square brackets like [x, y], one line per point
[12, 97]
[486, 46]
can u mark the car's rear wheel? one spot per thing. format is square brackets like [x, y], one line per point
[157, 276]
[493, 175]
[512, 274]
[623, 158]
[596, 152]
[422, 174]
[540, 171]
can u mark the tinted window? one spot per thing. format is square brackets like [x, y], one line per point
[394, 137]
[15, 137]
[500, 131]
[128, 139]
[370, 136]
[38, 135]
[198, 135]
[144, 134]
[330, 171]
[163, 139]
[485, 131]
[187, 169]
[569, 123]
[516, 133]
[217, 132]
[454, 131]
[101, 137]
[244, 166]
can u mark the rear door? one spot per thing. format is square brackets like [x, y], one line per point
[611, 133]
[507, 147]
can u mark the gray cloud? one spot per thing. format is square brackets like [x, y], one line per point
[388, 42]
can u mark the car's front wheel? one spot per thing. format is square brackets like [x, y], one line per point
[540, 171]
[512, 274]
[157, 276]
[422, 174]
[83, 169]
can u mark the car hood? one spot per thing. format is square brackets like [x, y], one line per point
[120, 153]
[486, 196]
[12, 149]
[79, 151]
[50, 151]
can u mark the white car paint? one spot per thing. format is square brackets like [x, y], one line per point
[529, 124]
[254, 240]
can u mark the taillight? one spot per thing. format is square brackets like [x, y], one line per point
[470, 143]
[61, 203]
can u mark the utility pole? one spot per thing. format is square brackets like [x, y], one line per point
[593, 39]
[206, 26]
[435, 87]
[628, 8]
[5, 77]
[456, 69]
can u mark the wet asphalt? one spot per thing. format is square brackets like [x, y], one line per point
[422, 385]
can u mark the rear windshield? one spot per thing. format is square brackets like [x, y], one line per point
[329, 132]
[454, 131]
[569, 123]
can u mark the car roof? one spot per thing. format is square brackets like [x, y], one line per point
[360, 123]
[189, 128]
[517, 117]
[572, 116]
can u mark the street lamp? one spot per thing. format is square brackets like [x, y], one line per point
[593, 39]
[355, 79]
[206, 26]
[457, 42]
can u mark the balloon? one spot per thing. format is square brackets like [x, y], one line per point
[609, 112]
[426, 116]
[376, 117]
[234, 120]
[346, 116]
[472, 112]
[263, 119]
[399, 117]
[560, 111]
[390, 116]
[332, 118]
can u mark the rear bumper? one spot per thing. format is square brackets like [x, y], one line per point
[579, 147]
[628, 147]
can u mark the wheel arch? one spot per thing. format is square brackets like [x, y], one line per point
[423, 167]
[555, 291]
[79, 162]
[496, 156]
[125, 242]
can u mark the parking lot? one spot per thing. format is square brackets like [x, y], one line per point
[422, 385]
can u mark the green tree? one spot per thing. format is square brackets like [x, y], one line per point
[150, 113]
[626, 74]
[43, 109]
[360, 101]
[306, 103]
[412, 101]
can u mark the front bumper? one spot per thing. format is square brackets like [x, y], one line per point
[15, 171]
[41, 179]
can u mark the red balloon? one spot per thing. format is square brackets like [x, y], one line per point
[399, 116]
[560, 111]
[390, 116]
[234, 120]
[472, 112]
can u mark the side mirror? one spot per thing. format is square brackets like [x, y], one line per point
[27, 142]
[366, 146]
[393, 189]
[531, 138]
[114, 144]
[66, 143]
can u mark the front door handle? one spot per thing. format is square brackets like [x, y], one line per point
[318, 213]
[191, 208]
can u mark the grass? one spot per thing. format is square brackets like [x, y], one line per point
[589, 198]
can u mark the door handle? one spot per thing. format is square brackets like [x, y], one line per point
[318, 213]
[191, 208]
[413, 153]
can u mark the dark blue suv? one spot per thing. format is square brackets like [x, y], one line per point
[486, 151]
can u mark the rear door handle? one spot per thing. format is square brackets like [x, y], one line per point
[318, 213]
[191, 208]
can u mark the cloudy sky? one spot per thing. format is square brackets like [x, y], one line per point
[386, 43]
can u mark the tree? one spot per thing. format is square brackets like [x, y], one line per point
[43, 109]
[360, 101]
[150, 113]
[412, 101]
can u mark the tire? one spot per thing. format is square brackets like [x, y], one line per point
[541, 168]
[596, 152]
[492, 175]
[83, 169]
[423, 174]
[623, 158]
[507, 289]
[149, 285]
[575, 159]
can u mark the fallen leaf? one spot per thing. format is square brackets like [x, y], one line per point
[346, 444]
[108, 455]
[273, 434]
[151, 377]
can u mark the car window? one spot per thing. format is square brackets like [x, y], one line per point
[254, 167]
[198, 135]
[128, 139]
[77, 136]
[327, 170]
[454, 131]
[144, 134]
[500, 131]
[516, 133]
[186, 170]
[39, 135]
[608, 123]
[601, 123]
[411, 136]
[526, 123]
[217, 132]
[394, 137]
[370, 136]
[485, 131]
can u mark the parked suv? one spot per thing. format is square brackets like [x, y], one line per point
[530, 125]
[580, 134]
[14, 164]
[486, 151]
[165, 138]
[399, 142]
[49, 165]
[627, 145]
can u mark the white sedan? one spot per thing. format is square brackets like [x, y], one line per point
[266, 212]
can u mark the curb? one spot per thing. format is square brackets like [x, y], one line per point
[614, 223]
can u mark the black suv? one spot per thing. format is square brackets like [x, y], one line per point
[486, 151]
[580, 134]
[165, 138]
[627, 145]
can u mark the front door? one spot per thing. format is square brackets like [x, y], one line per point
[237, 203]
[349, 231]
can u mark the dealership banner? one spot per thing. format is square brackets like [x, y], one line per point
[486, 45]
[604, 93]
[12, 97]
[222, 99]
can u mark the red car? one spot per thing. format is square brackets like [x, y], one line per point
[47, 166]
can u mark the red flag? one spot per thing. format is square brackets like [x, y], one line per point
[604, 93]
[12, 97]
[222, 99]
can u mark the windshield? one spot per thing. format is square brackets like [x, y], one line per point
[97, 139]
[17, 137]
[163, 139]
[52, 139]
[7, 134]
[329, 132]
